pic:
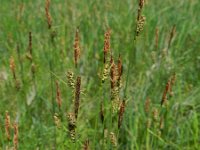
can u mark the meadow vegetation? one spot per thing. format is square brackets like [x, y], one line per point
[96, 75]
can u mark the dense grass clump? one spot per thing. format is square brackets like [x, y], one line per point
[99, 74]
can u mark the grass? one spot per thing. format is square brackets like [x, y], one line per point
[147, 67]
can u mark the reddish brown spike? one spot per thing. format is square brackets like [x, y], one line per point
[106, 48]
[48, 15]
[58, 95]
[121, 113]
[76, 48]
[164, 97]
[15, 138]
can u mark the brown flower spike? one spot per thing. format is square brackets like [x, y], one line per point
[58, 95]
[77, 96]
[76, 48]
[106, 48]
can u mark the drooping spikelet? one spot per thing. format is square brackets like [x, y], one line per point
[48, 15]
[71, 126]
[58, 95]
[70, 79]
[7, 125]
[76, 48]
[113, 139]
[16, 134]
[106, 48]
[77, 96]
[121, 113]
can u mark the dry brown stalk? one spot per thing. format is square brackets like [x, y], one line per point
[7, 125]
[48, 15]
[121, 113]
[15, 138]
[58, 95]
[106, 48]
[77, 96]
[76, 48]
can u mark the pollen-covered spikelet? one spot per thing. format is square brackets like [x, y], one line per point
[140, 25]
[71, 126]
[106, 48]
[113, 139]
[70, 79]
[16, 134]
[106, 71]
[115, 105]
[76, 48]
[7, 125]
